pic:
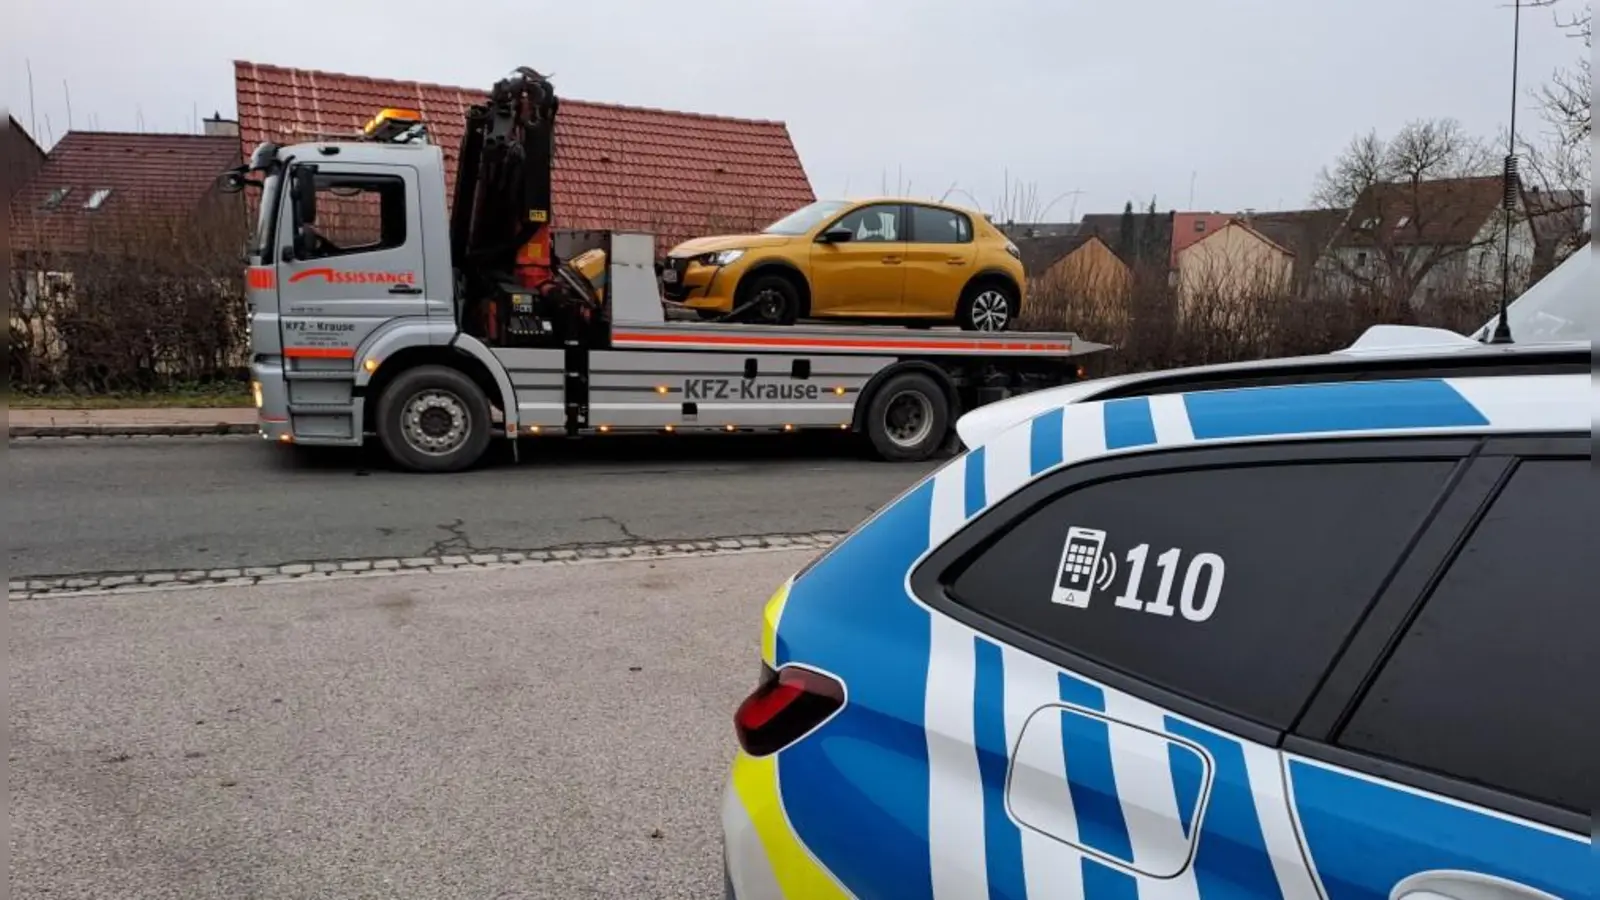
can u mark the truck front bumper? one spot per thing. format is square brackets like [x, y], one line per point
[271, 395]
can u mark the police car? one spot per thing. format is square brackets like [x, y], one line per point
[1311, 629]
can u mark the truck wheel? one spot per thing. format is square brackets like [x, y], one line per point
[987, 306]
[908, 418]
[774, 298]
[433, 419]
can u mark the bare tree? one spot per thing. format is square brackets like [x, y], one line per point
[1568, 100]
[1415, 202]
[1559, 158]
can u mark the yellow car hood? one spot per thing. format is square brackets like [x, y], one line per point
[729, 242]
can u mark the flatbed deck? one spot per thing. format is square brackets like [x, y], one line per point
[863, 340]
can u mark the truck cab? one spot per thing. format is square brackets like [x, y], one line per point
[340, 264]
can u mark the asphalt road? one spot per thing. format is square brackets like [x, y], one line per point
[126, 505]
[554, 731]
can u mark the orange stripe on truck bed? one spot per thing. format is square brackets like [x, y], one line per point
[841, 343]
[319, 352]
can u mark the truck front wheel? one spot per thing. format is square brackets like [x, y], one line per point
[908, 417]
[433, 419]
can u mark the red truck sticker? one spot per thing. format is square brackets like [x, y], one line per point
[340, 276]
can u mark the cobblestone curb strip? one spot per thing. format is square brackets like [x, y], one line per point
[16, 432]
[107, 584]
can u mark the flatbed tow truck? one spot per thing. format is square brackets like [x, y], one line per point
[443, 330]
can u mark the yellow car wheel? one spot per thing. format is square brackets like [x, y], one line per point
[989, 305]
[770, 300]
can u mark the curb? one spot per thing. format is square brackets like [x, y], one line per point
[166, 430]
[105, 584]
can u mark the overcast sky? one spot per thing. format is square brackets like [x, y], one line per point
[1118, 99]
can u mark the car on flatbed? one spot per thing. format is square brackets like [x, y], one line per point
[882, 258]
[1304, 629]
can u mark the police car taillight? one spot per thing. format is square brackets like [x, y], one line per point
[787, 705]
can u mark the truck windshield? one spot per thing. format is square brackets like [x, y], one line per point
[1562, 306]
[805, 218]
[267, 218]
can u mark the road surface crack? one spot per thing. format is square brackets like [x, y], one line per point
[621, 526]
[458, 543]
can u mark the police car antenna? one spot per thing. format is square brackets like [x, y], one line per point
[1509, 186]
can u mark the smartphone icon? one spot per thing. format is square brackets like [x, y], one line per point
[1080, 556]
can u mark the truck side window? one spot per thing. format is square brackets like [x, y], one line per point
[359, 214]
[1235, 586]
[1488, 683]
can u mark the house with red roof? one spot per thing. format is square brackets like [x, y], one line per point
[108, 192]
[1234, 261]
[1192, 227]
[677, 175]
[125, 259]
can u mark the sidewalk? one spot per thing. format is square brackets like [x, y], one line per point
[89, 422]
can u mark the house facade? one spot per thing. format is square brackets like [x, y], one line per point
[1233, 262]
[1431, 240]
[1076, 277]
[1309, 234]
[1189, 228]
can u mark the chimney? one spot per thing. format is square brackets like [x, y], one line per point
[216, 125]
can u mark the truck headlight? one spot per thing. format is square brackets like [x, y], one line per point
[722, 257]
[1012, 249]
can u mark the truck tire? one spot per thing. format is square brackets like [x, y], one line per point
[433, 419]
[908, 417]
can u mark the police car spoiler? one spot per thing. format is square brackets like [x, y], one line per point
[1382, 351]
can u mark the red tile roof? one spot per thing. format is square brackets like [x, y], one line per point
[1443, 212]
[151, 178]
[677, 175]
[1184, 232]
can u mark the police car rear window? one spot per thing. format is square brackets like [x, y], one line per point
[1493, 682]
[1234, 586]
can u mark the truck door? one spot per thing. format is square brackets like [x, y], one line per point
[350, 260]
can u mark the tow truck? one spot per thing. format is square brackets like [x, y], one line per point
[438, 331]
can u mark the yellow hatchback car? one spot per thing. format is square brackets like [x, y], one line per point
[883, 258]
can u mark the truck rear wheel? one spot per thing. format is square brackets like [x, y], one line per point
[908, 417]
[433, 419]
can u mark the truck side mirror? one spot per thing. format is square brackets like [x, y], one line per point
[836, 236]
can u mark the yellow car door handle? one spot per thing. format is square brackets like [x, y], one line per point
[956, 261]
[891, 260]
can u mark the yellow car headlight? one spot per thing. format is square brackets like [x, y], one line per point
[722, 257]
